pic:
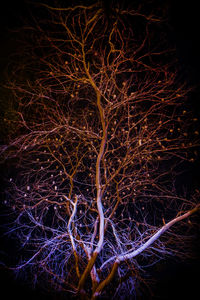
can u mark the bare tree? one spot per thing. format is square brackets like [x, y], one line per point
[100, 132]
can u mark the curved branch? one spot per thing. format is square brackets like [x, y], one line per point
[151, 240]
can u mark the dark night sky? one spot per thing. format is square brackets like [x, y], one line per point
[184, 20]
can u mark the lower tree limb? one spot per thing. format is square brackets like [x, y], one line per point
[106, 281]
[87, 272]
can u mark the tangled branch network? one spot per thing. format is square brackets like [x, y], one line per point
[99, 132]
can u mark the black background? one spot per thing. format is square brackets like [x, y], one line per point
[174, 280]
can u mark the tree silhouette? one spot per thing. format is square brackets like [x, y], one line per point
[99, 135]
